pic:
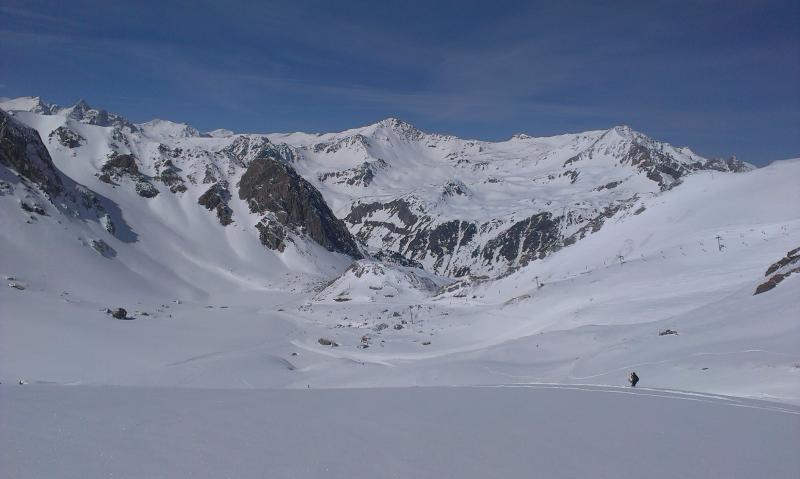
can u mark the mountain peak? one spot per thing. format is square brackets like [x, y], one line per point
[159, 128]
[84, 113]
[82, 105]
[402, 128]
[33, 104]
[624, 131]
[393, 122]
[220, 133]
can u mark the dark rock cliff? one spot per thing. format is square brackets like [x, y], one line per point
[272, 187]
[22, 149]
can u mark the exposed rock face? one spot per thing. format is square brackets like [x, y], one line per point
[169, 175]
[731, 164]
[455, 188]
[67, 137]
[358, 176]
[395, 258]
[780, 270]
[662, 167]
[244, 149]
[102, 248]
[119, 167]
[530, 239]
[271, 234]
[145, 189]
[459, 248]
[441, 241]
[22, 149]
[216, 199]
[84, 113]
[659, 167]
[357, 140]
[608, 186]
[270, 186]
[656, 160]
[33, 208]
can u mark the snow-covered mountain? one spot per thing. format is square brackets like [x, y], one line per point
[455, 207]
[427, 259]
[465, 207]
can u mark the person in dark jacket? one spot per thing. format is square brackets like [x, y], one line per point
[633, 379]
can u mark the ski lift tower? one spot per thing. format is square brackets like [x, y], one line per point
[720, 246]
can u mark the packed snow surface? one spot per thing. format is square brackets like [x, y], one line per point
[511, 432]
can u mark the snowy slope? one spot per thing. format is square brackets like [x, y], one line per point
[229, 290]
[286, 293]
[464, 207]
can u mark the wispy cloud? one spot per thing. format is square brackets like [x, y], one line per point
[17, 15]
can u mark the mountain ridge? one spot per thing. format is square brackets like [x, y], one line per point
[456, 207]
[560, 259]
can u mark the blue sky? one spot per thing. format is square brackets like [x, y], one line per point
[720, 77]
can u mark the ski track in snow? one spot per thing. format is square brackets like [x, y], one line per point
[656, 392]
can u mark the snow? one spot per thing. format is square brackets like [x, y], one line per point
[220, 133]
[25, 103]
[519, 431]
[371, 281]
[165, 129]
[224, 343]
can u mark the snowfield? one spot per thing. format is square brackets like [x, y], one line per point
[249, 350]
[515, 431]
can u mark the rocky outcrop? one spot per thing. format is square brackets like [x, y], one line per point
[84, 113]
[244, 149]
[145, 189]
[358, 141]
[439, 241]
[780, 270]
[659, 165]
[169, 174]
[455, 188]
[459, 248]
[731, 164]
[527, 240]
[359, 176]
[102, 248]
[216, 199]
[119, 167]
[22, 149]
[271, 234]
[67, 137]
[273, 188]
[33, 208]
[118, 313]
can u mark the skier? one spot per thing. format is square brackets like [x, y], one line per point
[633, 379]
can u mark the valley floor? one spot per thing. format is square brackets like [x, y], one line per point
[505, 431]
